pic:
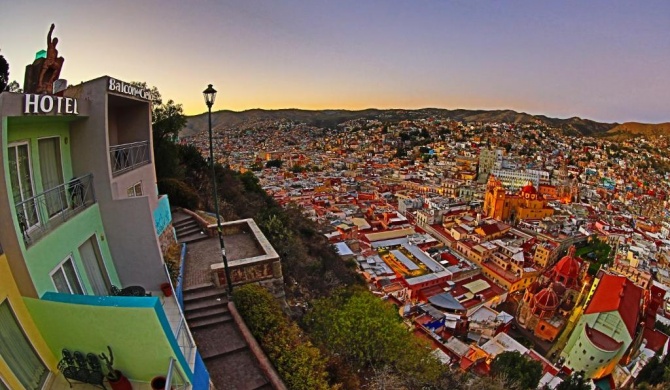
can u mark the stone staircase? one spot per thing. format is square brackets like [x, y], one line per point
[187, 228]
[222, 347]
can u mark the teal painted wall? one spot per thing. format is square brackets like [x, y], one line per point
[47, 253]
[162, 214]
[135, 328]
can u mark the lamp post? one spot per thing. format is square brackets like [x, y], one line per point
[210, 95]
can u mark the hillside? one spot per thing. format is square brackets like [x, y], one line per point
[329, 118]
[631, 129]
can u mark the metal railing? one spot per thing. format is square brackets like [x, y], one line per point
[127, 157]
[184, 339]
[175, 382]
[182, 333]
[44, 212]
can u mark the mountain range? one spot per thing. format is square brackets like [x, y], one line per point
[329, 118]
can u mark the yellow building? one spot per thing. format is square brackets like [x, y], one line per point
[25, 359]
[528, 203]
[545, 253]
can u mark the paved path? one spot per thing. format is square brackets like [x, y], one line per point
[229, 360]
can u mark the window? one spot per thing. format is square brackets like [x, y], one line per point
[18, 353]
[21, 179]
[65, 278]
[94, 266]
[135, 190]
[52, 174]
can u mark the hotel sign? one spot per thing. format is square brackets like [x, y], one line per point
[128, 89]
[49, 104]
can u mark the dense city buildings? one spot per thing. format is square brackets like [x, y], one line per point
[451, 219]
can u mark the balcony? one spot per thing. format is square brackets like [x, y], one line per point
[44, 212]
[127, 157]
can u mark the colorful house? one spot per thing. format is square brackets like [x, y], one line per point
[25, 358]
[607, 328]
[84, 222]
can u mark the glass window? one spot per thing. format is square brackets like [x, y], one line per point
[20, 177]
[65, 278]
[18, 353]
[135, 190]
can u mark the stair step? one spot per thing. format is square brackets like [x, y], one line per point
[208, 321]
[192, 238]
[189, 230]
[205, 312]
[184, 222]
[204, 303]
[215, 354]
[200, 294]
[198, 287]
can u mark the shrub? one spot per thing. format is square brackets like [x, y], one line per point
[298, 362]
[180, 193]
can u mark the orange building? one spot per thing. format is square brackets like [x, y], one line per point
[548, 302]
[527, 203]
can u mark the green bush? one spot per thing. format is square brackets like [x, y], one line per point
[180, 193]
[297, 361]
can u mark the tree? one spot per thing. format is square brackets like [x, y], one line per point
[298, 362]
[14, 87]
[369, 335]
[518, 369]
[167, 121]
[576, 381]
[4, 73]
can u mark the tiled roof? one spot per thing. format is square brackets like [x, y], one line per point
[601, 340]
[617, 293]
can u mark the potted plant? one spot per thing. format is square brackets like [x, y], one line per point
[167, 289]
[158, 383]
[115, 377]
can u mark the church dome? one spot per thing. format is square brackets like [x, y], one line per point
[567, 269]
[546, 300]
[528, 188]
[530, 192]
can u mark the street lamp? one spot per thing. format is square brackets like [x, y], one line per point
[210, 95]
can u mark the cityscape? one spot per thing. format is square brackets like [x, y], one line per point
[441, 240]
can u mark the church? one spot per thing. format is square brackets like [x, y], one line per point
[548, 302]
[527, 203]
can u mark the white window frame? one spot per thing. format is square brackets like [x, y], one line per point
[59, 267]
[132, 191]
[32, 177]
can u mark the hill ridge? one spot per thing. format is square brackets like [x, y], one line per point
[330, 117]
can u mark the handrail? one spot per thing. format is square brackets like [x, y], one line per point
[182, 334]
[127, 157]
[169, 377]
[40, 214]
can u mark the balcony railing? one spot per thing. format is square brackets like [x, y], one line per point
[127, 157]
[174, 379]
[184, 339]
[43, 212]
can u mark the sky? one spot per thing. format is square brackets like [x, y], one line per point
[603, 60]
